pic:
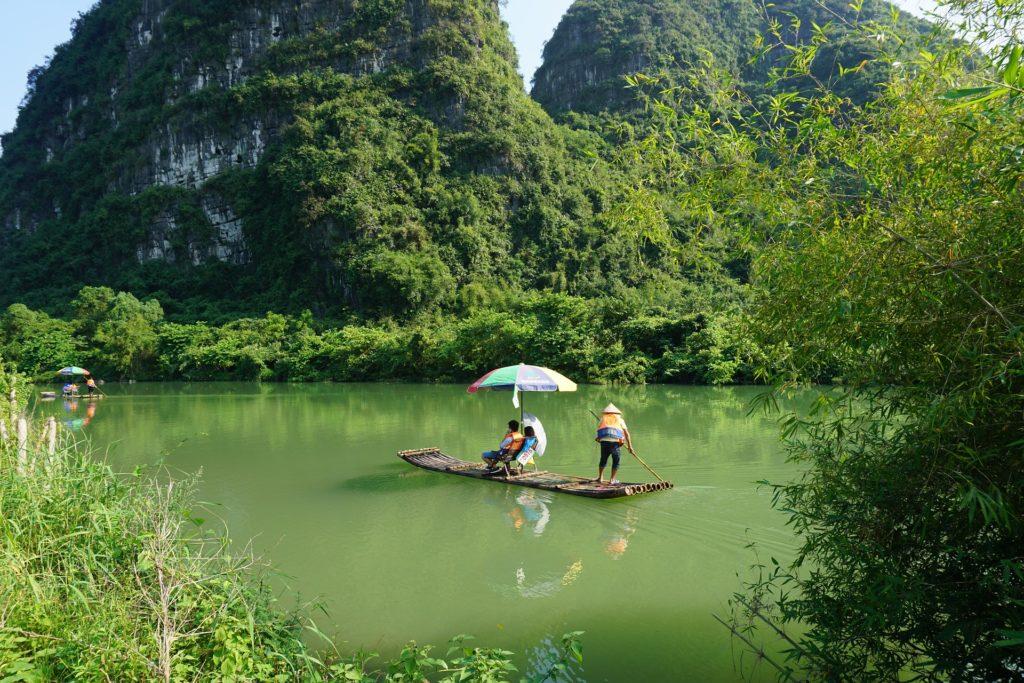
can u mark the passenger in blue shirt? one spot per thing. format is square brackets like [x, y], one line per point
[529, 449]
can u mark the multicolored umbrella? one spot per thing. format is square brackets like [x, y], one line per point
[522, 377]
[73, 371]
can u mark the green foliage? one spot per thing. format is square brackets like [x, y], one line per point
[403, 282]
[425, 191]
[105, 576]
[599, 42]
[126, 339]
[383, 194]
[36, 343]
[462, 663]
[603, 340]
[592, 340]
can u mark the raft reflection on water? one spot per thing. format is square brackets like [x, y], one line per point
[531, 512]
[73, 422]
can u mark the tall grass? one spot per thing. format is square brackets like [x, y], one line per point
[111, 577]
[108, 577]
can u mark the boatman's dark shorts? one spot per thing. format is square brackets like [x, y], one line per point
[612, 450]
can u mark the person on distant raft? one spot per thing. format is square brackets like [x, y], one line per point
[510, 446]
[70, 389]
[611, 434]
[90, 384]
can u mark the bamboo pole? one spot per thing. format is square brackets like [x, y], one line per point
[22, 430]
[51, 435]
[13, 398]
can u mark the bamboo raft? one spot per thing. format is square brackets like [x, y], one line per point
[434, 460]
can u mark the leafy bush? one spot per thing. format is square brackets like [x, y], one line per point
[38, 344]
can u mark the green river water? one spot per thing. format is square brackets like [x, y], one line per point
[398, 554]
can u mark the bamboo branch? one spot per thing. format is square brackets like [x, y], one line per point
[759, 651]
[22, 434]
[782, 634]
[938, 264]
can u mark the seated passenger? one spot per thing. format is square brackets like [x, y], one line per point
[70, 389]
[510, 446]
[529, 449]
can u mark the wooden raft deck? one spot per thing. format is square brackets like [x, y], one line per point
[433, 459]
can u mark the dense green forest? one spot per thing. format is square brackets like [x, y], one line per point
[425, 193]
[117, 336]
[423, 220]
[599, 43]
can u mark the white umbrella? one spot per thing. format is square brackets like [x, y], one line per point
[530, 420]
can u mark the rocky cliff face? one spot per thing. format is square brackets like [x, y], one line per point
[171, 55]
[196, 135]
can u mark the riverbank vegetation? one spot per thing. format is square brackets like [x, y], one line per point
[891, 255]
[107, 576]
[626, 339]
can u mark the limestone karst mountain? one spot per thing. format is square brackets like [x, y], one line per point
[598, 42]
[375, 156]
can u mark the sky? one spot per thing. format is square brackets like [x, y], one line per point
[30, 30]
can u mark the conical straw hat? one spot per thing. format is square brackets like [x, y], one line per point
[611, 410]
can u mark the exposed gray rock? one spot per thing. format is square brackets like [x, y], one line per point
[158, 246]
[222, 240]
[229, 238]
[188, 158]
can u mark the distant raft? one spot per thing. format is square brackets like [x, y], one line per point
[436, 461]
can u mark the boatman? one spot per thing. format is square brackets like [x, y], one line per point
[611, 434]
[90, 384]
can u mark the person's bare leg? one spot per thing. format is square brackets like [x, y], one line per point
[615, 472]
[600, 475]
